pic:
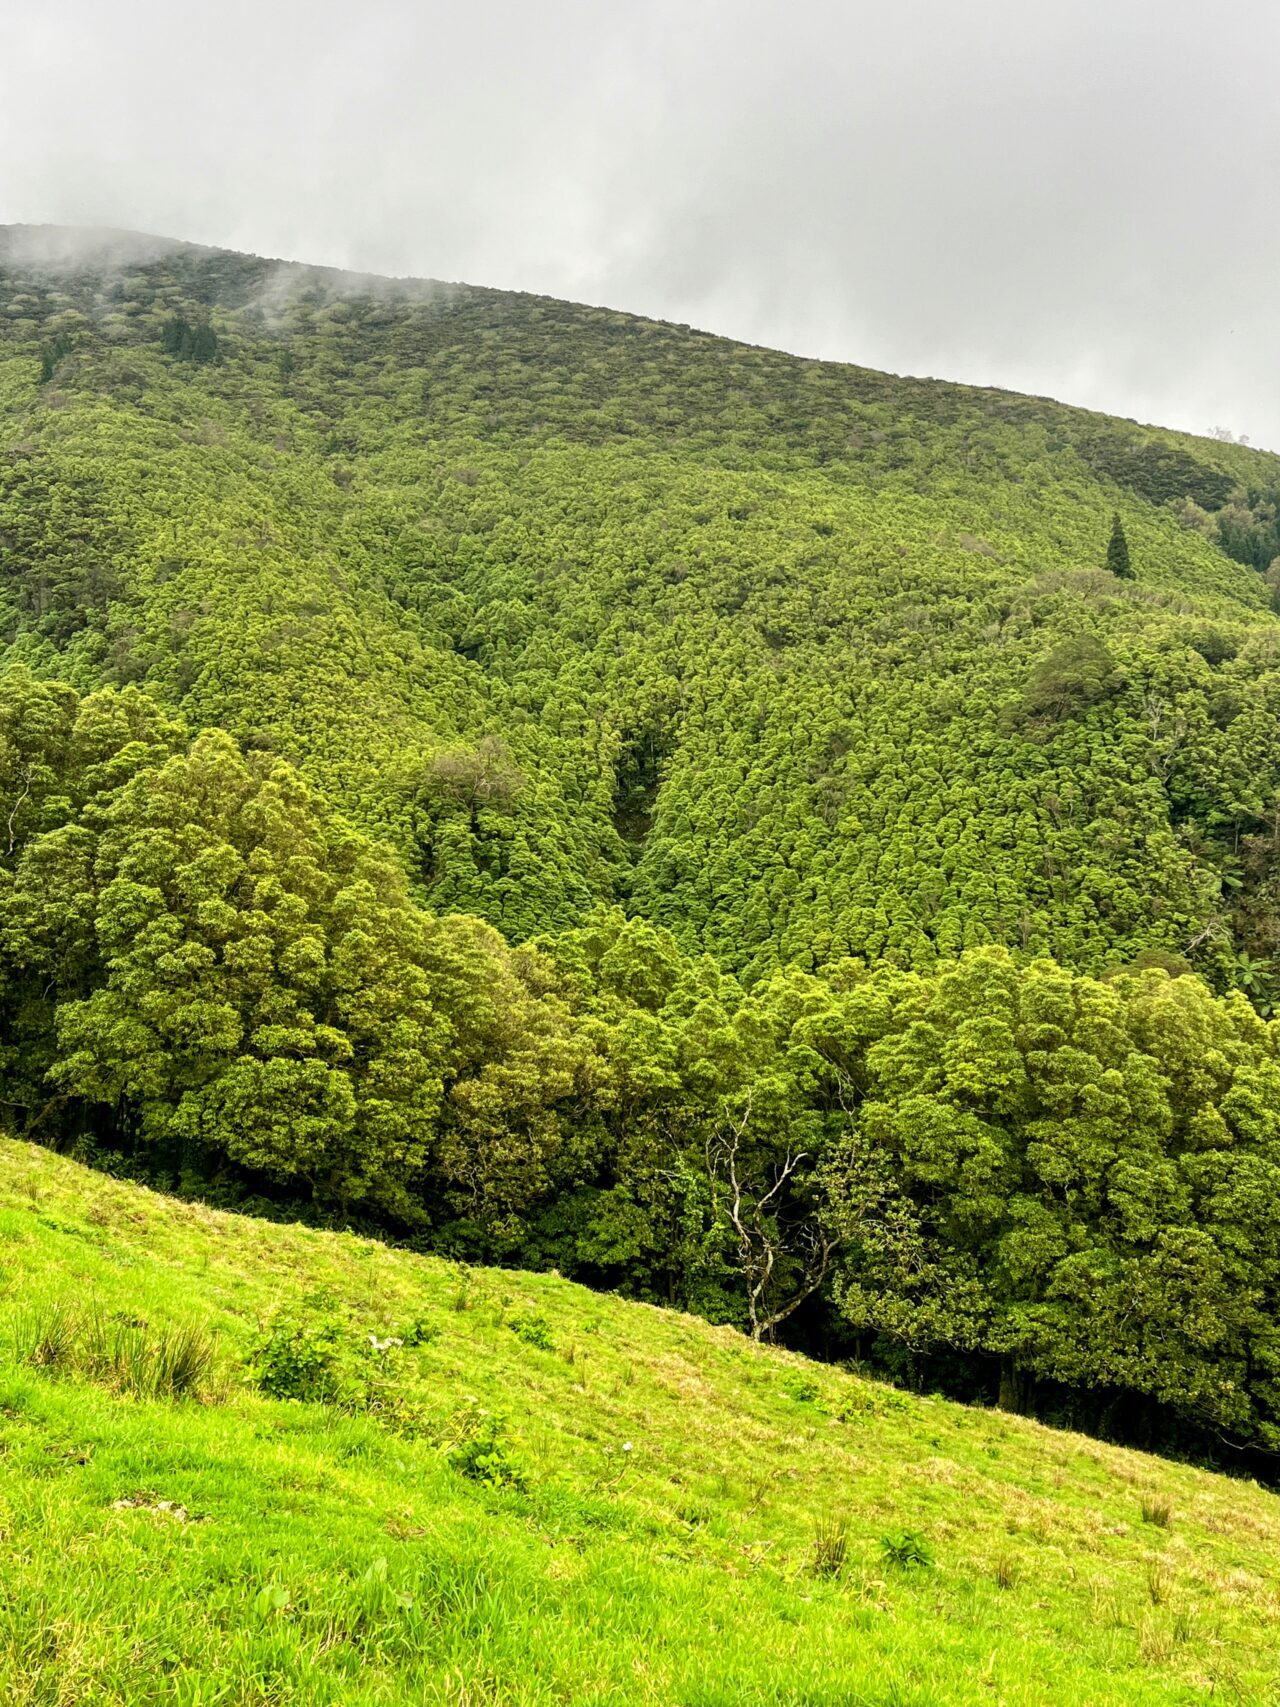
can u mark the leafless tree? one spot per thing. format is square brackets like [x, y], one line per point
[484, 775]
[17, 806]
[770, 1251]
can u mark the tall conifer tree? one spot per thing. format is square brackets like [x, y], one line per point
[1118, 551]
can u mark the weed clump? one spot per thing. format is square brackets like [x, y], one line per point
[484, 1455]
[803, 1389]
[462, 1299]
[908, 1550]
[533, 1329]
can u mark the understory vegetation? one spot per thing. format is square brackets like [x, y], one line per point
[770, 838]
[384, 1478]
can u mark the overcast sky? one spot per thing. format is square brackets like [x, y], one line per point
[1075, 197]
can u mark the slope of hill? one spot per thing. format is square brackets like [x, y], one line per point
[543, 1495]
[574, 607]
[817, 878]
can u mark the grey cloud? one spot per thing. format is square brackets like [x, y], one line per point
[1072, 198]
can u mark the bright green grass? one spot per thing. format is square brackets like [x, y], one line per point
[240, 1550]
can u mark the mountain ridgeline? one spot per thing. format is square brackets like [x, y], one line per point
[763, 834]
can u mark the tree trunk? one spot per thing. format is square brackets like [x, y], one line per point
[1011, 1386]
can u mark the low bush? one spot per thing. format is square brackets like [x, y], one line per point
[484, 1455]
[534, 1330]
[296, 1360]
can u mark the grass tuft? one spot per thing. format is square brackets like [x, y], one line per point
[126, 1355]
[44, 1335]
[830, 1547]
[1157, 1509]
[1159, 1581]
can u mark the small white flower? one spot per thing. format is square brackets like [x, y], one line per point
[626, 1446]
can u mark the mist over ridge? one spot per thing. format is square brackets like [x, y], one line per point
[62, 249]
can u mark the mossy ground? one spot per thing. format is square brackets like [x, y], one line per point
[666, 1546]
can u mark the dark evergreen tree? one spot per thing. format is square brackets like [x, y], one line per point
[1118, 551]
[51, 354]
[197, 344]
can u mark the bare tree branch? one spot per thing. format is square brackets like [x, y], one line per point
[17, 805]
[763, 1240]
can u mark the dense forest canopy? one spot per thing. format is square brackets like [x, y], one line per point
[769, 835]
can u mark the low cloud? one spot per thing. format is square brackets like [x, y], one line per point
[1073, 199]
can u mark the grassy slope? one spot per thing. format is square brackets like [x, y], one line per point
[680, 1571]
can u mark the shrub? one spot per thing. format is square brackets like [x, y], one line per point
[533, 1330]
[485, 1456]
[293, 1360]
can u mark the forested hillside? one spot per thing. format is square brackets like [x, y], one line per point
[575, 607]
[767, 835]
